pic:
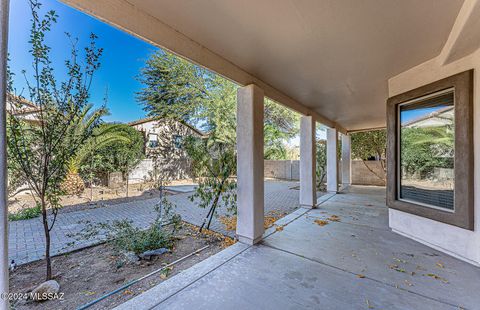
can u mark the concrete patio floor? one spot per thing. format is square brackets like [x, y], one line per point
[355, 263]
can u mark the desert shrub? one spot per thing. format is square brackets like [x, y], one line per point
[25, 214]
[133, 239]
[123, 235]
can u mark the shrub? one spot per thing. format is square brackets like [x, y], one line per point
[124, 236]
[133, 239]
[25, 214]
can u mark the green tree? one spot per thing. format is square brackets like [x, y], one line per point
[423, 149]
[214, 162]
[113, 147]
[281, 124]
[369, 145]
[177, 89]
[321, 163]
[174, 88]
[42, 149]
[73, 183]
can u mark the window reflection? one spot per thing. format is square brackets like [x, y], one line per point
[426, 151]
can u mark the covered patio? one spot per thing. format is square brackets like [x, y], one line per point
[337, 63]
[356, 262]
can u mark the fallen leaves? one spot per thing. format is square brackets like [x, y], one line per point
[89, 293]
[230, 222]
[165, 273]
[434, 276]
[334, 218]
[396, 268]
[269, 221]
[227, 241]
[400, 260]
[321, 222]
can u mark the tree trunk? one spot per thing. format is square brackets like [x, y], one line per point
[127, 184]
[214, 205]
[47, 238]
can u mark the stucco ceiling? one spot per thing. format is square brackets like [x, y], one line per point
[334, 56]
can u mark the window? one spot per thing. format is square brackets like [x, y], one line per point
[177, 141]
[430, 151]
[153, 140]
[426, 151]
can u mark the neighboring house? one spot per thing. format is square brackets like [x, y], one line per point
[164, 151]
[20, 106]
[441, 117]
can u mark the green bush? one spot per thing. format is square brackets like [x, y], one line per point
[25, 214]
[133, 239]
[124, 236]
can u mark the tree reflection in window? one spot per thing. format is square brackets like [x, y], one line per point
[427, 152]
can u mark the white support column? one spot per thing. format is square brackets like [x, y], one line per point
[332, 160]
[308, 191]
[4, 6]
[346, 160]
[250, 209]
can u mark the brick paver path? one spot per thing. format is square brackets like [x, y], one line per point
[26, 238]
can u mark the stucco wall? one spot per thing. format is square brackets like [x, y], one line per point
[462, 243]
[361, 175]
[142, 172]
[282, 169]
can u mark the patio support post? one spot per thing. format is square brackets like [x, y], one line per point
[346, 160]
[308, 191]
[332, 160]
[4, 6]
[250, 208]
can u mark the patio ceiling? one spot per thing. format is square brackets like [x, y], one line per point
[333, 57]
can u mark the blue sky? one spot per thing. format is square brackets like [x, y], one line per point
[409, 115]
[122, 59]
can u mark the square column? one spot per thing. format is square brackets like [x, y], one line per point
[250, 184]
[308, 186]
[346, 160]
[332, 160]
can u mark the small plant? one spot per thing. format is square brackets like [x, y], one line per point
[133, 239]
[25, 214]
[124, 236]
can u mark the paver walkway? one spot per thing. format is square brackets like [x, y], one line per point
[26, 238]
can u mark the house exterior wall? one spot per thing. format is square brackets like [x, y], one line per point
[168, 158]
[458, 242]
